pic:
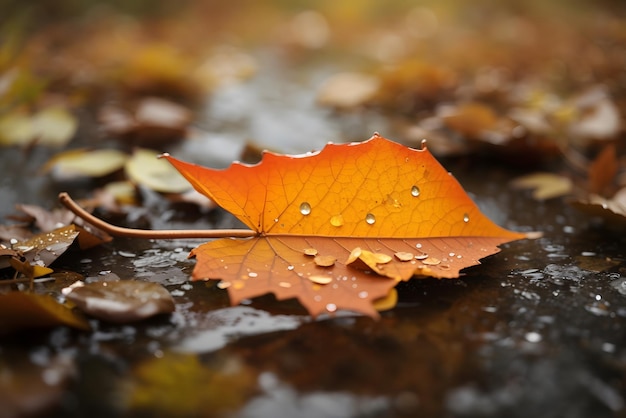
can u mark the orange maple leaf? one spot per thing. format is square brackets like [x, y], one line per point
[381, 198]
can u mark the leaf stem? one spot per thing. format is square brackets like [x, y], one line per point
[118, 231]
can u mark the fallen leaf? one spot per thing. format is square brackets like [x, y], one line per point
[544, 185]
[391, 199]
[7, 255]
[599, 117]
[28, 270]
[48, 221]
[347, 90]
[471, 119]
[122, 301]
[53, 126]
[612, 210]
[44, 219]
[20, 310]
[145, 169]
[75, 163]
[46, 247]
[152, 121]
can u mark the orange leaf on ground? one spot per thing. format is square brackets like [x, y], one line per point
[377, 195]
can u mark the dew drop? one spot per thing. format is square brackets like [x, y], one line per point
[331, 307]
[415, 191]
[275, 220]
[290, 268]
[224, 285]
[310, 252]
[305, 208]
[363, 294]
[465, 218]
[284, 284]
[431, 261]
[317, 298]
[404, 256]
[336, 220]
[320, 279]
[418, 245]
[252, 274]
[370, 218]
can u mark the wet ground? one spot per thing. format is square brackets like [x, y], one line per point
[536, 330]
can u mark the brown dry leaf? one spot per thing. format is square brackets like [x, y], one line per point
[612, 210]
[48, 221]
[44, 219]
[122, 301]
[153, 121]
[44, 248]
[544, 185]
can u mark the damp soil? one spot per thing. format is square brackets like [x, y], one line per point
[536, 330]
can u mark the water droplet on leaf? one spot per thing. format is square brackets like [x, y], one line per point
[305, 208]
[331, 307]
[404, 256]
[465, 218]
[310, 251]
[431, 261]
[370, 219]
[336, 220]
[415, 191]
[363, 294]
[325, 260]
[321, 279]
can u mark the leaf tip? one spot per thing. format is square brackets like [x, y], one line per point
[533, 235]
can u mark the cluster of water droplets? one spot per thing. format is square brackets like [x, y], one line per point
[337, 220]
